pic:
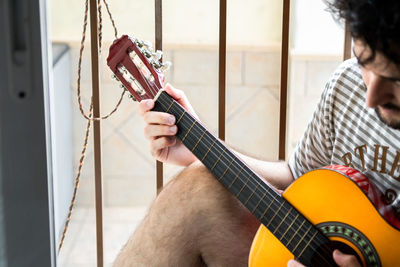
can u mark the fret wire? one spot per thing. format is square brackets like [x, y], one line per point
[308, 243]
[180, 117]
[183, 139]
[289, 227]
[265, 211]
[227, 168]
[265, 193]
[244, 185]
[209, 150]
[218, 159]
[258, 183]
[251, 195]
[301, 239]
[290, 209]
[169, 106]
[198, 141]
[294, 234]
[276, 212]
[237, 175]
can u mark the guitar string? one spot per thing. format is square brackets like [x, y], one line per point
[258, 195]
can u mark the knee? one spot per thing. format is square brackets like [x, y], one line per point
[193, 184]
[193, 179]
[196, 178]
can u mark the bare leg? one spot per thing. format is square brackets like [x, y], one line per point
[194, 221]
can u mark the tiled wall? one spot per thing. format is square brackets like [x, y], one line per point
[252, 120]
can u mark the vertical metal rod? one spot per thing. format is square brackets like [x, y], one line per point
[96, 130]
[222, 69]
[284, 79]
[160, 176]
[347, 42]
[158, 29]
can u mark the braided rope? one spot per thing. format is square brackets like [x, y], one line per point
[77, 179]
[88, 117]
[80, 62]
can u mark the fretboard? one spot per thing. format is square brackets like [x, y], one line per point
[280, 217]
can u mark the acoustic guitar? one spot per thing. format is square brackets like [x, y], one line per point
[321, 211]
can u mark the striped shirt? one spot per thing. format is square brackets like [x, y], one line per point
[345, 131]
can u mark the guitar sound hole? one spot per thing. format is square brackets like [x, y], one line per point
[321, 258]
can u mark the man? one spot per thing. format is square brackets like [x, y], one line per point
[196, 222]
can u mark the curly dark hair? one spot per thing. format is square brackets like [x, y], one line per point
[375, 22]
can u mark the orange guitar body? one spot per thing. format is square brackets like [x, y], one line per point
[327, 196]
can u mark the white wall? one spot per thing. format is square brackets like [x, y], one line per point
[254, 22]
[250, 23]
[313, 30]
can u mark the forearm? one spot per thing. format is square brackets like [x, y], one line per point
[277, 173]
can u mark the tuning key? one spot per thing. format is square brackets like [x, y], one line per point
[148, 45]
[165, 66]
[114, 77]
[157, 64]
[157, 55]
[139, 43]
[131, 97]
[147, 54]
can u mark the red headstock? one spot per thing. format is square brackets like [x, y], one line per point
[136, 65]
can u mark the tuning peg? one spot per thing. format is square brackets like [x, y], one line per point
[165, 66]
[131, 97]
[156, 64]
[114, 77]
[148, 45]
[157, 55]
[139, 43]
[147, 54]
[123, 87]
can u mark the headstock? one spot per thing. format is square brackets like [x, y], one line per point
[137, 66]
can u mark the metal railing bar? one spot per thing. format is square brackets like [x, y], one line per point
[284, 79]
[158, 37]
[222, 70]
[347, 42]
[96, 130]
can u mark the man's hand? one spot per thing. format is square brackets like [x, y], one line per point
[343, 260]
[160, 129]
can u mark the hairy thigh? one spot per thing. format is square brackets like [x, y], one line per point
[223, 227]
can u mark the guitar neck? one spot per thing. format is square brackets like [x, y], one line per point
[257, 196]
[247, 186]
